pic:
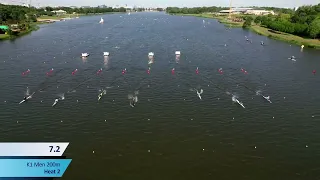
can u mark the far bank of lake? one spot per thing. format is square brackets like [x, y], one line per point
[290, 38]
[45, 20]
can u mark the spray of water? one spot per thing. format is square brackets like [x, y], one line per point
[258, 92]
[27, 92]
[61, 96]
[234, 99]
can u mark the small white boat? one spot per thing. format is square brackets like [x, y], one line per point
[106, 53]
[178, 53]
[101, 21]
[84, 54]
[151, 54]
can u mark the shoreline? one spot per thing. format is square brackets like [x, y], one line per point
[281, 36]
[33, 27]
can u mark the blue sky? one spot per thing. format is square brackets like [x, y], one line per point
[165, 3]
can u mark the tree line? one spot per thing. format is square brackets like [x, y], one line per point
[86, 10]
[305, 22]
[213, 9]
[12, 14]
[195, 10]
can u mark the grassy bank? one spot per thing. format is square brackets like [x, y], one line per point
[312, 43]
[4, 36]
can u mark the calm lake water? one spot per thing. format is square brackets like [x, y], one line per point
[170, 133]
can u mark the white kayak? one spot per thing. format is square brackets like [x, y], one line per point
[267, 98]
[240, 103]
[55, 102]
[101, 94]
[22, 101]
[29, 97]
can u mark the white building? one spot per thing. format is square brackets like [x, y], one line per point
[259, 12]
[235, 10]
[59, 12]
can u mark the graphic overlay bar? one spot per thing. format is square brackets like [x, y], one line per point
[33, 167]
[33, 149]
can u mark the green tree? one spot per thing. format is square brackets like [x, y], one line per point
[257, 20]
[314, 28]
[248, 22]
[49, 9]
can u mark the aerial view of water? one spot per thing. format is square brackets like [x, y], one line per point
[170, 133]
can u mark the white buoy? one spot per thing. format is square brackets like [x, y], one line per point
[255, 147]
[149, 150]
[93, 152]
[106, 53]
[302, 46]
[178, 53]
[307, 146]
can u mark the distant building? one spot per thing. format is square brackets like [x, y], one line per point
[235, 10]
[60, 12]
[73, 7]
[259, 12]
[246, 11]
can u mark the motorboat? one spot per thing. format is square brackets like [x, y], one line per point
[151, 54]
[84, 54]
